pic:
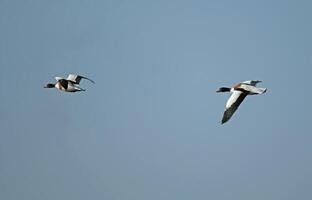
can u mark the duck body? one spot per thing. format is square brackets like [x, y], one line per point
[67, 86]
[71, 84]
[239, 92]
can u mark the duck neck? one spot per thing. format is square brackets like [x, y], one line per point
[50, 85]
[224, 89]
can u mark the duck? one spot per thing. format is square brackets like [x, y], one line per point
[70, 84]
[239, 92]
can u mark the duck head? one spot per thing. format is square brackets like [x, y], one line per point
[224, 89]
[49, 85]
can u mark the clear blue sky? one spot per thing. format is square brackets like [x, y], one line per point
[149, 129]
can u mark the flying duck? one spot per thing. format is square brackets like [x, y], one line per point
[71, 84]
[239, 92]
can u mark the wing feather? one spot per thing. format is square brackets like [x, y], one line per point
[77, 78]
[252, 89]
[232, 104]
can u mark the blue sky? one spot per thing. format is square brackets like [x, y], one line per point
[150, 126]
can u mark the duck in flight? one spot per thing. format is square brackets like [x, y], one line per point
[70, 84]
[239, 92]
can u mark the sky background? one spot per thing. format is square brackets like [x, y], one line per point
[149, 129]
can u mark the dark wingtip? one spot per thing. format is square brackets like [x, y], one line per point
[224, 120]
[92, 81]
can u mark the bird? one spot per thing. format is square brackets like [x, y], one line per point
[239, 92]
[70, 84]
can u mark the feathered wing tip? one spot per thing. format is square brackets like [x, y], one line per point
[224, 119]
[92, 81]
[227, 115]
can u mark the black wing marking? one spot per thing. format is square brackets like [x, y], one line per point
[63, 83]
[231, 110]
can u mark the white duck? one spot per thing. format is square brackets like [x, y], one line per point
[71, 84]
[239, 92]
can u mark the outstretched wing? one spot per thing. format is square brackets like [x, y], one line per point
[232, 104]
[252, 89]
[77, 78]
[251, 82]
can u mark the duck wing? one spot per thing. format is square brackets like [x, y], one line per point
[63, 83]
[252, 89]
[77, 78]
[232, 104]
[251, 82]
